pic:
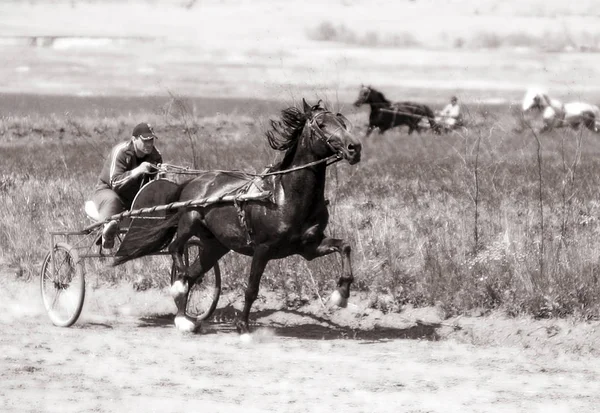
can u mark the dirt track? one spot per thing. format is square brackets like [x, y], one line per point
[124, 355]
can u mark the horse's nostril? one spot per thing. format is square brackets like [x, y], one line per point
[353, 148]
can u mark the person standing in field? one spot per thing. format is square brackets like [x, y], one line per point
[129, 166]
[450, 117]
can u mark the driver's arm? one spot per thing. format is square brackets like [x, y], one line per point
[121, 176]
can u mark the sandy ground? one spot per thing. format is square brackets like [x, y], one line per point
[123, 354]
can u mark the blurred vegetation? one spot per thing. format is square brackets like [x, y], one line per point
[495, 217]
[547, 41]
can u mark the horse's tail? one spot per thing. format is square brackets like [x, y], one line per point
[149, 241]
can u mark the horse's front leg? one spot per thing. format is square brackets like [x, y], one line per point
[257, 268]
[327, 246]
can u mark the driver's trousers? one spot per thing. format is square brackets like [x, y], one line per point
[108, 203]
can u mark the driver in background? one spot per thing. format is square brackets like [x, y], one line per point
[450, 116]
[129, 166]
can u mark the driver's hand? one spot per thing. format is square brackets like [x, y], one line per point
[145, 168]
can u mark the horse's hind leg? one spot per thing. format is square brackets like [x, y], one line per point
[412, 127]
[185, 230]
[589, 120]
[189, 225]
[327, 246]
[209, 254]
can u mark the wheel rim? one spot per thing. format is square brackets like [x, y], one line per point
[203, 295]
[62, 287]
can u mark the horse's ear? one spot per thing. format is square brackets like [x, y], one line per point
[306, 106]
[546, 99]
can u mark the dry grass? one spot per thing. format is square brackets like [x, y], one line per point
[467, 222]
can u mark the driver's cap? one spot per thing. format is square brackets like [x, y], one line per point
[144, 131]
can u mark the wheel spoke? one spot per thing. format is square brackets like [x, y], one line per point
[56, 298]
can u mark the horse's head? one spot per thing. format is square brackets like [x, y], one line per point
[535, 99]
[332, 132]
[363, 95]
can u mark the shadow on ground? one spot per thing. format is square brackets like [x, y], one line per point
[313, 327]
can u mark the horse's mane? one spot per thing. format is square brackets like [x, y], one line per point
[379, 94]
[284, 132]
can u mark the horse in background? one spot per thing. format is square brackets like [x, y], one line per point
[555, 114]
[293, 222]
[387, 115]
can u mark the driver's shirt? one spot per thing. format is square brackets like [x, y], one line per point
[451, 111]
[116, 172]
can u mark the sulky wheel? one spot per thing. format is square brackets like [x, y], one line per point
[62, 285]
[203, 295]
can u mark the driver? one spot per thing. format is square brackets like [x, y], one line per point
[450, 115]
[128, 167]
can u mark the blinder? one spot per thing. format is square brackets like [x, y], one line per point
[314, 126]
[345, 122]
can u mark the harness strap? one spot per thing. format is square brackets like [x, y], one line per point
[399, 112]
[242, 217]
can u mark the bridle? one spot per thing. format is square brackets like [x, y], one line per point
[314, 128]
[363, 100]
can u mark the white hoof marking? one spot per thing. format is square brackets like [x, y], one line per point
[246, 338]
[337, 299]
[179, 288]
[185, 325]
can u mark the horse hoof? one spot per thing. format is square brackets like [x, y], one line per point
[179, 288]
[337, 299]
[241, 327]
[186, 325]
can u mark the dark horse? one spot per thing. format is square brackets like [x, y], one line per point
[386, 115]
[293, 223]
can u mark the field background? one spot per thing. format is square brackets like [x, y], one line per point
[270, 49]
[491, 218]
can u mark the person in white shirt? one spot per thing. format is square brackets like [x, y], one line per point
[450, 116]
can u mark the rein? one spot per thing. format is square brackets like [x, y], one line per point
[183, 170]
[314, 128]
